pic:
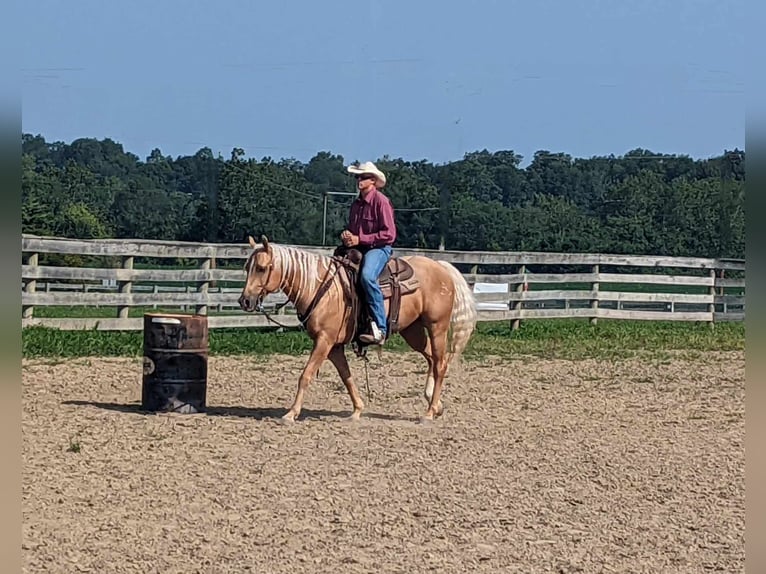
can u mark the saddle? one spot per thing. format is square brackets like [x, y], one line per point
[396, 280]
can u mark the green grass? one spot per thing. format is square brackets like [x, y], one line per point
[559, 338]
[577, 339]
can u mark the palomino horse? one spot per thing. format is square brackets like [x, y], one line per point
[436, 316]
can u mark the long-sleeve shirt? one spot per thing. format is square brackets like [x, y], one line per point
[372, 219]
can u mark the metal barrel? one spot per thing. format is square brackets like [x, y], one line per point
[175, 363]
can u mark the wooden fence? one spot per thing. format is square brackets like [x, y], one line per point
[94, 284]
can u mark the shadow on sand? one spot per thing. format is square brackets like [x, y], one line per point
[263, 413]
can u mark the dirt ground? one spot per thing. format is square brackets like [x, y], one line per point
[536, 466]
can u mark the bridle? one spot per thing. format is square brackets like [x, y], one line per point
[263, 292]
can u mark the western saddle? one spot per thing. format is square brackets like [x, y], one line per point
[396, 280]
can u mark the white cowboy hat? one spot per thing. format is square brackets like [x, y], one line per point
[369, 167]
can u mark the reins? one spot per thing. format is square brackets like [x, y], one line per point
[276, 309]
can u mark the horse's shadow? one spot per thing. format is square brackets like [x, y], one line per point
[255, 413]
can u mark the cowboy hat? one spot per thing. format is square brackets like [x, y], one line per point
[369, 167]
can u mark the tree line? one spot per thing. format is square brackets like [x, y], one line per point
[638, 203]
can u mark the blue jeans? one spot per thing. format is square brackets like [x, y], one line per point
[373, 263]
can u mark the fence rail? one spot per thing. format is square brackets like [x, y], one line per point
[612, 286]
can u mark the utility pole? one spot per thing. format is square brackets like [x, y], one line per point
[324, 219]
[324, 210]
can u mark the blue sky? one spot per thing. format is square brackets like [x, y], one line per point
[417, 80]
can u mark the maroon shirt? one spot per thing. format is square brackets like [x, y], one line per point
[372, 219]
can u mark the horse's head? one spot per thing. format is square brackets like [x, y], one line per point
[261, 278]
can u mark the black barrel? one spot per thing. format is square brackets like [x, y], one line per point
[175, 363]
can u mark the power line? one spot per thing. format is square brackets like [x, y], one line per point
[319, 197]
[396, 209]
[277, 184]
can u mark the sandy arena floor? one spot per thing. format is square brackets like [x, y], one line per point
[537, 466]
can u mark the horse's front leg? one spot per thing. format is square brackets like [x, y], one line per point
[318, 355]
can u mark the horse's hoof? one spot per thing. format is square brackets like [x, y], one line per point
[287, 419]
[351, 419]
[425, 420]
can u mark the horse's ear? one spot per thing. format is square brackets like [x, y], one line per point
[265, 241]
[251, 241]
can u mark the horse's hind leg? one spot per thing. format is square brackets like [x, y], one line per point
[438, 333]
[416, 337]
[338, 358]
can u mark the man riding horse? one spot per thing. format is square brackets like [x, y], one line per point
[372, 231]
[430, 304]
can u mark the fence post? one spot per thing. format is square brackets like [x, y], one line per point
[474, 272]
[203, 286]
[721, 275]
[594, 302]
[519, 288]
[213, 265]
[27, 311]
[125, 287]
[711, 305]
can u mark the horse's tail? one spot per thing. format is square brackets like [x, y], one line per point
[464, 314]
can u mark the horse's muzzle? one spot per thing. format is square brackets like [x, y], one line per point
[249, 305]
[246, 304]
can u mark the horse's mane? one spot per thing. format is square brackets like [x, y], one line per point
[311, 267]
